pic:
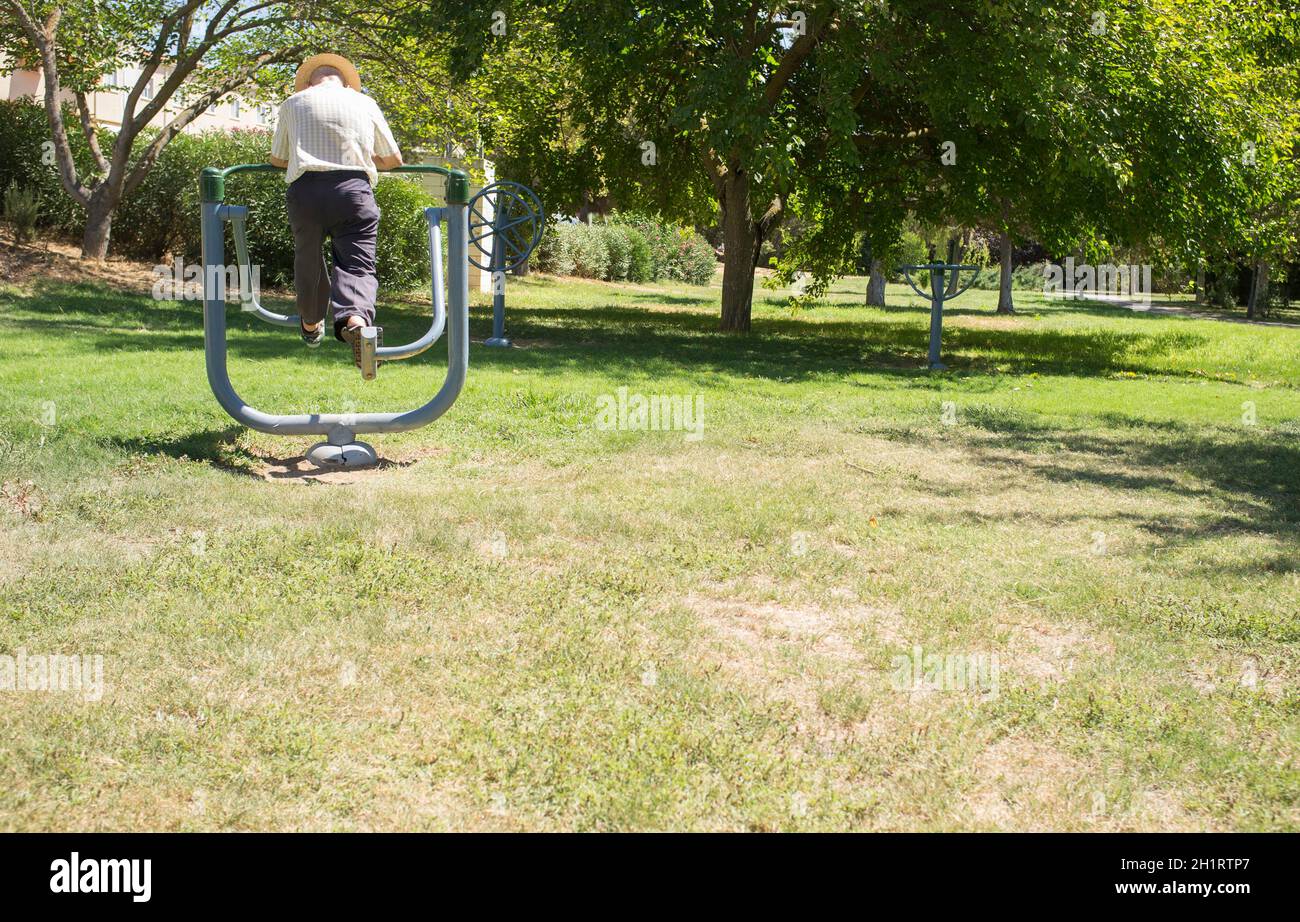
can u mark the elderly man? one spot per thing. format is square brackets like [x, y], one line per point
[332, 140]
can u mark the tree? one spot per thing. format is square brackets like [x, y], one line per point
[689, 107]
[1045, 117]
[1271, 212]
[188, 52]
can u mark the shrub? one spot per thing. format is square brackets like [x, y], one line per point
[631, 247]
[693, 260]
[22, 208]
[620, 251]
[590, 252]
[555, 252]
[640, 261]
[661, 241]
[910, 250]
[24, 131]
[161, 217]
[1023, 278]
[403, 249]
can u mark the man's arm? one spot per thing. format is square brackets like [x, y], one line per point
[281, 142]
[387, 156]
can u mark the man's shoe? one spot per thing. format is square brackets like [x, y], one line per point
[311, 337]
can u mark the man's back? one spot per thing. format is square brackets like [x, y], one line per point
[331, 127]
[330, 138]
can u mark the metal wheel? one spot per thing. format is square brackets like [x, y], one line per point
[516, 217]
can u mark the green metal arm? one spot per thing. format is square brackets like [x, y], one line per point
[212, 181]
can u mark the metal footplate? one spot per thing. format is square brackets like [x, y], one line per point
[370, 340]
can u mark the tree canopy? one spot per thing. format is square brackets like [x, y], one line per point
[1081, 122]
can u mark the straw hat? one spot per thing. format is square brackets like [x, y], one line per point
[350, 76]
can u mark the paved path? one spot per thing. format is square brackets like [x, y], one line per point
[1176, 311]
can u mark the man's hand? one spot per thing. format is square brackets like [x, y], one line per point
[388, 163]
[282, 164]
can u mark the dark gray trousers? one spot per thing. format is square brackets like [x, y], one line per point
[339, 205]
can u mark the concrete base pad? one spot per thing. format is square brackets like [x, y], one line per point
[348, 455]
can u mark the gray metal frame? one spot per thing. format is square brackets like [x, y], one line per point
[339, 428]
[942, 288]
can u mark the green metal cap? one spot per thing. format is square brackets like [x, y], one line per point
[457, 188]
[212, 185]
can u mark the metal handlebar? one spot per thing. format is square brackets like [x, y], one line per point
[212, 181]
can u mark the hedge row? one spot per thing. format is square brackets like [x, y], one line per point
[161, 219]
[627, 248]
[1023, 278]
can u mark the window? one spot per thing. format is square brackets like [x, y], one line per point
[148, 90]
[234, 107]
[263, 115]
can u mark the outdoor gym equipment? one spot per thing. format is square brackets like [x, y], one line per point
[506, 238]
[943, 287]
[341, 448]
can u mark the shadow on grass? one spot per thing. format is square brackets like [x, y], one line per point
[629, 341]
[1254, 478]
[218, 447]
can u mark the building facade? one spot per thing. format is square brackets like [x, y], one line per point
[109, 101]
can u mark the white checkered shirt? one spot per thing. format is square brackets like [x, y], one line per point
[331, 127]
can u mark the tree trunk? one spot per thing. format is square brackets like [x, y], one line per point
[99, 225]
[1200, 285]
[876, 285]
[741, 241]
[1005, 303]
[1257, 307]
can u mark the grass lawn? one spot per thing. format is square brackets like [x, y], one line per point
[530, 622]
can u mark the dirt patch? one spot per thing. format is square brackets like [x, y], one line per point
[1244, 675]
[24, 498]
[824, 631]
[297, 469]
[1025, 784]
[1049, 652]
[1021, 784]
[793, 654]
[60, 262]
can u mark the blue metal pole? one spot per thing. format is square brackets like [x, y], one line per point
[498, 337]
[938, 287]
